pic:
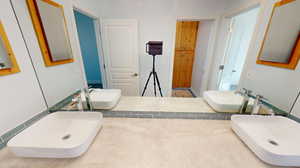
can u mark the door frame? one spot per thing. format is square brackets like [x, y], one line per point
[194, 52]
[210, 53]
[226, 20]
[97, 26]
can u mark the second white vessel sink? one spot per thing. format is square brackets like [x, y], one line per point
[104, 98]
[225, 101]
[274, 139]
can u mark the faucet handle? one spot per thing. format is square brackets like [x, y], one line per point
[244, 92]
[260, 98]
[244, 89]
[247, 91]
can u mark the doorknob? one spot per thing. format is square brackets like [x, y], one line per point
[135, 74]
[221, 67]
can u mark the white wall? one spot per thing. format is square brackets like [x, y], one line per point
[20, 95]
[60, 81]
[236, 7]
[201, 63]
[157, 21]
[278, 85]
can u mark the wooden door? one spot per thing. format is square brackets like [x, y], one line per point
[119, 39]
[186, 37]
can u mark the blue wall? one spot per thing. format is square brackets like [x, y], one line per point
[88, 45]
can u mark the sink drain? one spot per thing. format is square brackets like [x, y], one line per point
[273, 142]
[66, 137]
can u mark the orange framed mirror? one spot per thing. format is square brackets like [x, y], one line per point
[50, 27]
[281, 44]
[8, 62]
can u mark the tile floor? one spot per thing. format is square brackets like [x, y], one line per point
[181, 93]
[153, 143]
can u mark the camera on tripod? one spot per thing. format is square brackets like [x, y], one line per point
[153, 48]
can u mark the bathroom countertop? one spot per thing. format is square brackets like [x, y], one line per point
[153, 143]
[159, 104]
[162, 104]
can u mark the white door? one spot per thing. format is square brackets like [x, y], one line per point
[119, 39]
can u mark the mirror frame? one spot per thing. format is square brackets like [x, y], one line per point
[295, 56]
[11, 56]
[41, 36]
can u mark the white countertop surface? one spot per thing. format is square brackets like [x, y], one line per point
[154, 143]
[162, 104]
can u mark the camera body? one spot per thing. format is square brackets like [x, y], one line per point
[154, 47]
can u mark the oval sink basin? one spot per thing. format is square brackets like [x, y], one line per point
[274, 139]
[58, 135]
[104, 99]
[225, 101]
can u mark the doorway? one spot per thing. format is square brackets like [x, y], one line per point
[120, 49]
[240, 34]
[186, 37]
[87, 34]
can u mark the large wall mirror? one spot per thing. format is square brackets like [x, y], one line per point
[281, 46]
[8, 63]
[49, 23]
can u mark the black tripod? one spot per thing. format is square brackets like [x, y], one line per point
[155, 79]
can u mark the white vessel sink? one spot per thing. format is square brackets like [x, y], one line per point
[104, 98]
[58, 135]
[274, 139]
[225, 101]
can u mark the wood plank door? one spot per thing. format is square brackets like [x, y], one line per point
[186, 37]
[119, 38]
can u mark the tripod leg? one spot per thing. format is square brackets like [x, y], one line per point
[145, 87]
[154, 83]
[156, 77]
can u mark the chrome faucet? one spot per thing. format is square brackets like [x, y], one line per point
[86, 92]
[260, 108]
[78, 102]
[257, 104]
[245, 93]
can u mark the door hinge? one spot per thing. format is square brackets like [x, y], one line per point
[221, 67]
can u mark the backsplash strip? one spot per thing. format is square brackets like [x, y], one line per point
[10, 134]
[167, 115]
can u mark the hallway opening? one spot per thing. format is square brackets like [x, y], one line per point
[193, 40]
[89, 49]
[241, 28]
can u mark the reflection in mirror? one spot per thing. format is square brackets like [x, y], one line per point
[4, 59]
[54, 26]
[8, 64]
[281, 46]
[50, 26]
